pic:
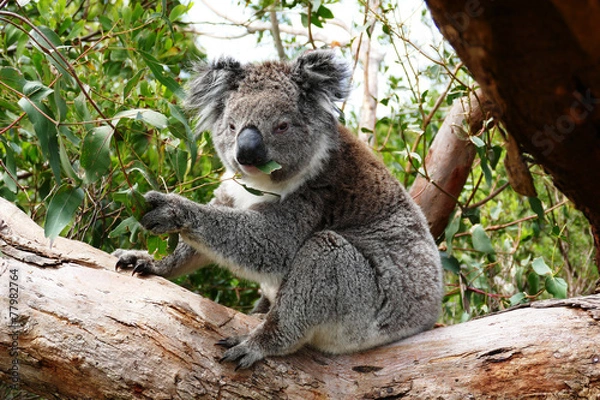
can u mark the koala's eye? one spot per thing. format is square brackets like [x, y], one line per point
[282, 127]
[232, 127]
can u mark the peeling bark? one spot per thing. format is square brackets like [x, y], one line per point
[84, 331]
[538, 61]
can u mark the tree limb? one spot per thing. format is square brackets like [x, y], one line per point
[449, 161]
[79, 329]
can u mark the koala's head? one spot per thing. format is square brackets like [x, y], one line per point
[273, 111]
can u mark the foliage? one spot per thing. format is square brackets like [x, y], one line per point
[499, 248]
[91, 116]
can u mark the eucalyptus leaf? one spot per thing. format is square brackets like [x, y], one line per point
[557, 287]
[160, 75]
[517, 298]
[269, 167]
[61, 210]
[46, 133]
[450, 263]
[150, 117]
[481, 241]
[540, 267]
[95, 153]
[452, 229]
[13, 78]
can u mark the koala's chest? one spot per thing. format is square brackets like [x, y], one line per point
[242, 197]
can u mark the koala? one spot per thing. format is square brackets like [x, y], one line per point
[344, 257]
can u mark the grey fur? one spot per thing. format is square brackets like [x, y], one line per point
[343, 255]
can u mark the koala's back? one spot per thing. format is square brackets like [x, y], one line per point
[367, 206]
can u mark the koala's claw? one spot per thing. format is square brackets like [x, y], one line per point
[141, 269]
[245, 354]
[231, 341]
[140, 262]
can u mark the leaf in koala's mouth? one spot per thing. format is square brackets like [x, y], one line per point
[269, 167]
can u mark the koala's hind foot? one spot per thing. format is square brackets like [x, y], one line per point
[307, 311]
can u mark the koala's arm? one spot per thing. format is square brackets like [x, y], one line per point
[184, 260]
[262, 241]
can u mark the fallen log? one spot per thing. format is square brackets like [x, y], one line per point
[73, 328]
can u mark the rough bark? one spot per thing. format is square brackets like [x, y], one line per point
[83, 331]
[449, 161]
[538, 61]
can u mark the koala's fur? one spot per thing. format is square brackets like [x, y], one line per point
[344, 257]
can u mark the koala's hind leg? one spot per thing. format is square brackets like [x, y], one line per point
[327, 300]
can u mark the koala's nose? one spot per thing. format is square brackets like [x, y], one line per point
[251, 148]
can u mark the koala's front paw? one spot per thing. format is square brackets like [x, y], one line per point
[166, 213]
[241, 350]
[139, 261]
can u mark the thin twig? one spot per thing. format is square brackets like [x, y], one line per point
[506, 225]
[490, 197]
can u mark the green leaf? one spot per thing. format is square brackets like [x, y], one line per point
[45, 40]
[46, 133]
[95, 153]
[477, 141]
[518, 298]
[129, 225]
[36, 91]
[325, 12]
[557, 287]
[536, 206]
[150, 117]
[540, 267]
[496, 211]
[533, 282]
[450, 263]
[485, 168]
[133, 200]
[172, 242]
[81, 110]
[481, 241]
[451, 230]
[179, 161]
[177, 12]
[269, 167]
[160, 75]
[61, 210]
[60, 103]
[132, 82]
[75, 30]
[139, 206]
[13, 78]
[252, 191]
[67, 167]
[10, 174]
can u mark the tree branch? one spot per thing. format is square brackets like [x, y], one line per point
[74, 328]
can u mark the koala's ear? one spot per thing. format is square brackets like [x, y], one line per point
[321, 73]
[209, 90]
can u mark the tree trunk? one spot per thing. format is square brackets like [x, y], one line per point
[73, 328]
[538, 61]
[449, 161]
